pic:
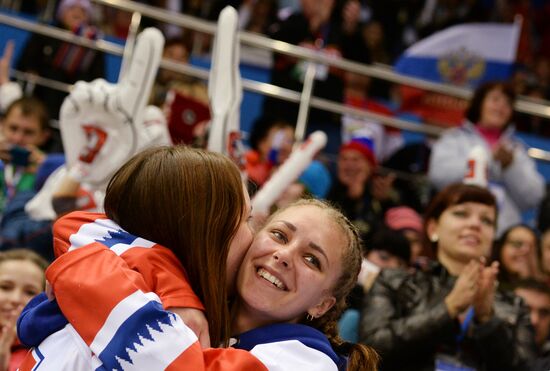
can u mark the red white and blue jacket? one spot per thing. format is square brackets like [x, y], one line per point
[116, 321]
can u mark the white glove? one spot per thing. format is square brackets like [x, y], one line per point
[103, 124]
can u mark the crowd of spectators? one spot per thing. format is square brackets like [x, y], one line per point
[417, 276]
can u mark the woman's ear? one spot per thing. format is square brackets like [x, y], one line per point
[324, 306]
[431, 230]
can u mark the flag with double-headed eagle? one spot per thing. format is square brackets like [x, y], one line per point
[464, 55]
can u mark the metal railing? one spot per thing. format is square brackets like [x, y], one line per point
[185, 21]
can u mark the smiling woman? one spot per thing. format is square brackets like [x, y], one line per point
[518, 251]
[290, 262]
[21, 278]
[299, 270]
[450, 316]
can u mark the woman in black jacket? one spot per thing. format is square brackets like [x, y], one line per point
[452, 314]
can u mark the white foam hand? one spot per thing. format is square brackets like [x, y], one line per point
[288, 172]
[103, 124]
[225, 88]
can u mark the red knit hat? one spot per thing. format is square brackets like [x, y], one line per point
[363, 145]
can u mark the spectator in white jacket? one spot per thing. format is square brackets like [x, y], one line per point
[512, 174]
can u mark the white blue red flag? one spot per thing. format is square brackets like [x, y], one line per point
[465, 55]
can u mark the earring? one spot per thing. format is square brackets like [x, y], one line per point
[309, 317]
[434, 238]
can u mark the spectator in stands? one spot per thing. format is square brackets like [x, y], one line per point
[451, 315]
[257, 16]
[512, 174]
[24, 129]
[24, 168]
[271, 143]
[117, 22]
[184, 98]
[21, 278]
[362, 195]
[398, 19]
[387, 140]
[388, 249]
[62, 61]
[407, 221]
[324, 28]
[377, 45]
[536, 296]
[517, 251]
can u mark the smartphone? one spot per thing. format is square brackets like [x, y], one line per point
[19, 156]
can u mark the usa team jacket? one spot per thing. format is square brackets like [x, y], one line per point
[118, 323]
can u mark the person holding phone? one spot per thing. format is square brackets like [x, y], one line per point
[361, 189]
[22, 131]
[24, 167]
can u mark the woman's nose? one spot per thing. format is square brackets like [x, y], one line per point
[283, 256]
[475, 222]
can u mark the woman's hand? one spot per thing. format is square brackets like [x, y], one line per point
[485, 297]
[382, 187]
[465, 289]
[503, 154]
[355, 182]
[5, 62]
[7, 335]
[196, 321]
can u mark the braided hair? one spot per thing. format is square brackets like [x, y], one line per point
[360, 357]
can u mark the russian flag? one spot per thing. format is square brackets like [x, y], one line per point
[464, 55]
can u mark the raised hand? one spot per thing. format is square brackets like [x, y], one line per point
[7, 335]
[102, 124]
[382, 186]
[465, 289]
[5, 62]
[485, 296]
[503, 154]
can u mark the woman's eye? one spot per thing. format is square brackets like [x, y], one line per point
[279, 236]
[488, 221]
[32, 292]
[312, 259]
[460, 213]
[6, 287]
